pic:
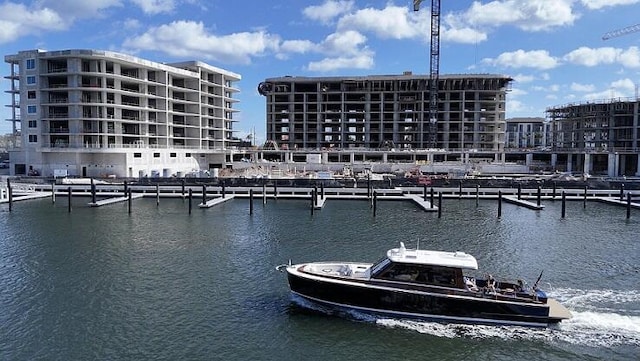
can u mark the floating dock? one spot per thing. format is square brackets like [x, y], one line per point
[113, 200]
[215, 201]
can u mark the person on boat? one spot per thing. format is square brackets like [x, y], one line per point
[491, 284]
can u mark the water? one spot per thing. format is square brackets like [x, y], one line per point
[161, 284]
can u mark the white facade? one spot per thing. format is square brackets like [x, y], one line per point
[99, 113]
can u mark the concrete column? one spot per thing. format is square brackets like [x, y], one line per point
[430, 159]
[384, 157]
[554, 160]
[528, 159]
[569, 162]
[622, 164]
[586, 169]
[612, 166]
[352, 157]
[325, 158]
[638, 167]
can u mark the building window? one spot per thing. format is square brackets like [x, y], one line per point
[31, 109]
[188, 155]
[172, 155]
[156, 155]
[137, 155]
[31, 94]
[33, 138]
[31, 80]
[31, 63]
[33, 124]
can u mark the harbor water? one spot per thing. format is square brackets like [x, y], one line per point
[162, 284]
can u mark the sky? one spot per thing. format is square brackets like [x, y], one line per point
[553, 49]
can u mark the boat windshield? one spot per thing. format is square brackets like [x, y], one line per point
[379, 265]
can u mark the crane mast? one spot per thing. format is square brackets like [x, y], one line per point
[621, 32]
[434, 74]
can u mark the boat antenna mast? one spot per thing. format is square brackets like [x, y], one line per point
[434, 74]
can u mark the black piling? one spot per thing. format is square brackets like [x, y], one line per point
[553, 194]
[190, 199]
[431, 199]
[539, 195]
[10, 194]
[424, 192]
[477, 194]
[564, 204]
[126, 188]
[312, 205]
[460, 189]
[129, 200]
[322, 190]
[375, 202]
[519, 191]
[439, 204]
[204, 194]
[69, 198]
[250, 201]
[182, 183]
[621, 192]
[628, 205]
[275, 188]
[499, 204]
[368, 186]
[93, 191]
[157, 194]
[315, 196]
[53, 193]
[224, 189]
[584, 198]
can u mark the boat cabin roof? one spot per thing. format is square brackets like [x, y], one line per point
[435, 258]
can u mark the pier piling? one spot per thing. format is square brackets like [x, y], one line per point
[53, 192]
[264, 194]
[424, 192]
[250, 201]
[519, 191]
[125, 188]
[375, 202]
[190, 199]
[69, 198]
[477, 194]
[157, 194]
[182, 184]
[539, 195]
[553, 194]
[628, 205]
[499, 204]
[564, 204]
[312, 202]
[10, 194]
[93, 191]
[431, 198]
[275, 188]
[460, 190]
[621, 192]
[129, 200]
[224, 189]
[584, 198]
[322, 190]
[204, 194]
[439, 204]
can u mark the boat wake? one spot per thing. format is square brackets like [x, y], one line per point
[601, 318]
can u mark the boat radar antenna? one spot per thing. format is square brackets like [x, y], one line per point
[535, 285]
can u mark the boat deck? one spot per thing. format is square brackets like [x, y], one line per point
[558, 311]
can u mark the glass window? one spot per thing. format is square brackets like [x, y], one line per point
[31, 94]
[33, 124]
[31, 79]
[33, 138]
[31, 63]
[156, 155]
[137, 155]
[172, 155]
[31, 109]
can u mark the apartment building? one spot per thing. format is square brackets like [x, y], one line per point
[389, 111]
[528, 133]
[98, 113]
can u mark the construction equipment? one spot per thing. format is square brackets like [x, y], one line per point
[435, 71]
[621, 32]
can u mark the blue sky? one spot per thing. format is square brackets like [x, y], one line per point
[552, 48]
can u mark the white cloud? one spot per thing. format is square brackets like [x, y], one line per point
[328, 10]
[17, 20]
[538, 59]
[516, 92]
[192, 39]
[155, 6]
[347, 42]
[360, 61]
[522, 78]
[392, 22]
[79, 8]
[606, 55]
[598, 4]
[529, 15]
[582, 87]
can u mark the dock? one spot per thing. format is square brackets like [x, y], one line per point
[215, 201]
[523, 203]
[419, 200]
[113, 200]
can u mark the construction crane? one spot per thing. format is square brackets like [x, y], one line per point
[435, 70]
[621, 32]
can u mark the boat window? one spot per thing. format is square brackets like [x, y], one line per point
[433, 275]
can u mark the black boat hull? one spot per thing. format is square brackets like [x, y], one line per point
[405, 303]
